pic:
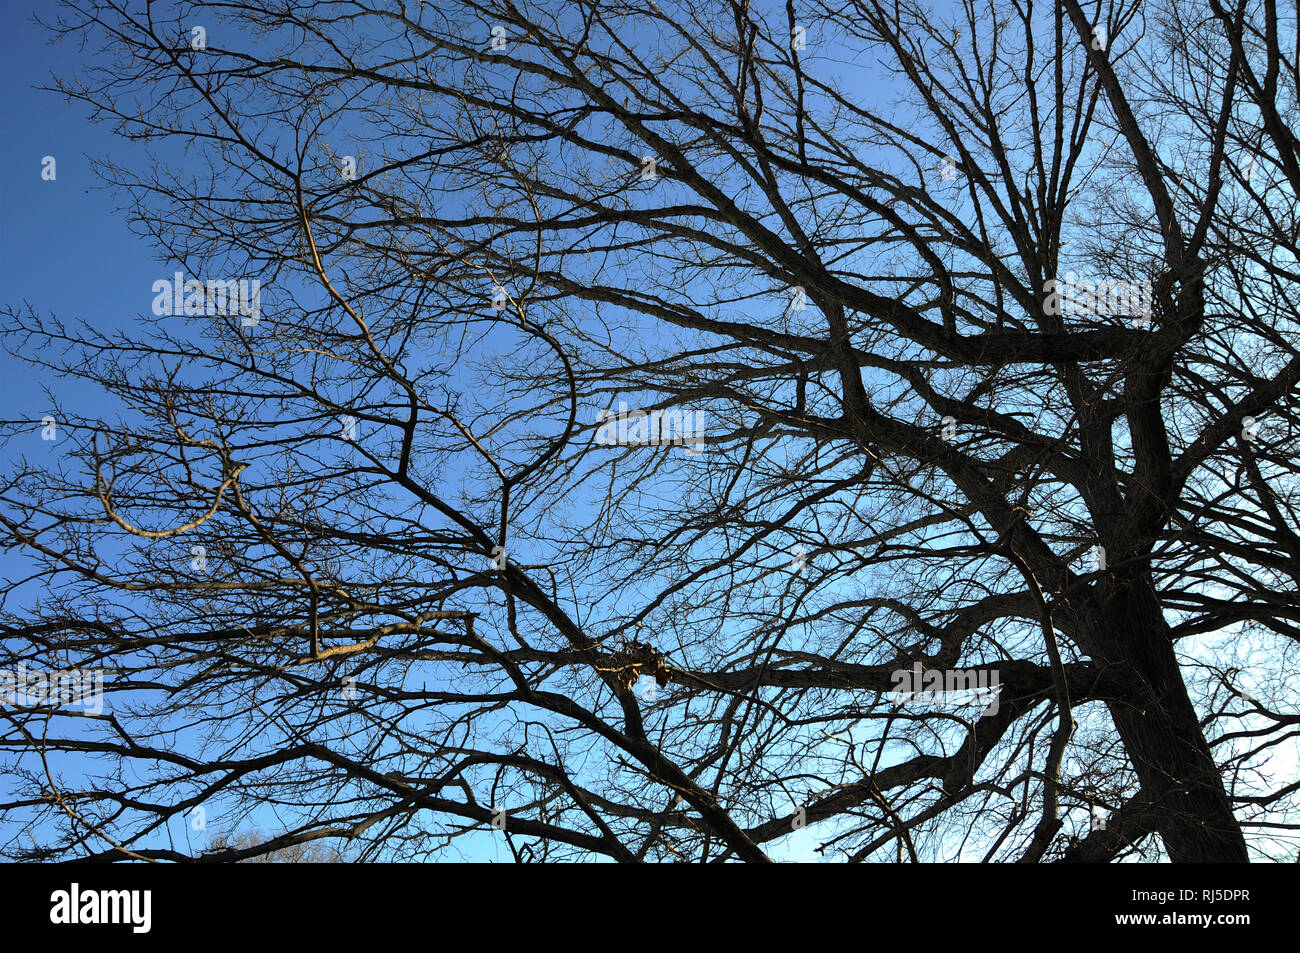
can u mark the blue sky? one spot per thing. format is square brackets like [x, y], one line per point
[65, 249]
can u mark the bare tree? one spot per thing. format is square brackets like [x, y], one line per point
[680, 431]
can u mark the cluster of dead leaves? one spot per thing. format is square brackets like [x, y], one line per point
[642, 656]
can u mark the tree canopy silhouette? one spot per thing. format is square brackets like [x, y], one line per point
[643, 394]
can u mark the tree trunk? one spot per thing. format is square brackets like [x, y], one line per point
[1162, 733]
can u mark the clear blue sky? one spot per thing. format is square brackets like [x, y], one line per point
[65, 249]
